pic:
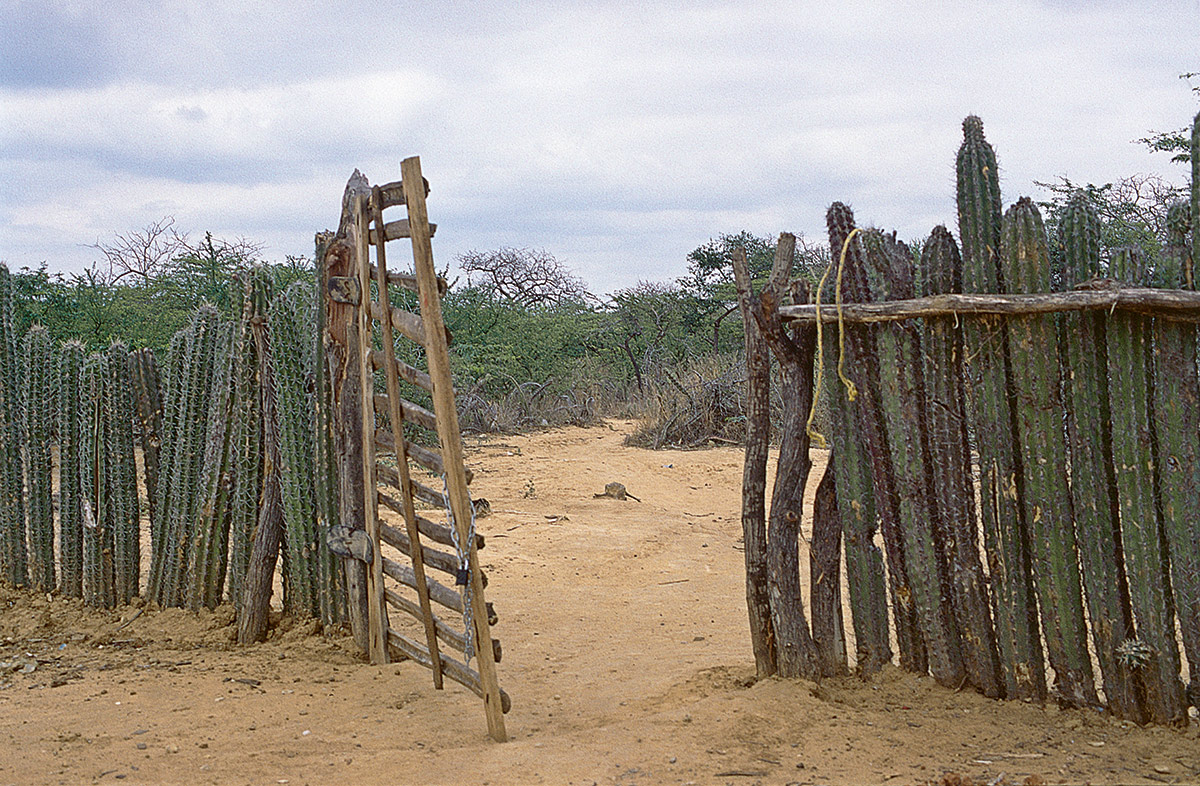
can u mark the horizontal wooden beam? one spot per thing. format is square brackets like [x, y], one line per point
[411, 375]
[409, 325]
[439, 593]
[438, 560]
[395, 230]
[413, 413]
[1173, 304]
[447, 634]
[429, 459]
[393, 194]
[409, 281]
[463, 675]
[438, 533]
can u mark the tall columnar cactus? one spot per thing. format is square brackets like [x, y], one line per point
[1154, 651]
[168, 448]
[292, 322]
[1033, 342]
[71, 411]
[950, 464]
[1177, 428]
[40, 399]
[185, 409]
[147, 392]
[1093, 485]
[1195, 202]
[98, 579]
[864, 413]
[13, 556]
[246, 427]
[210, 539]
[1000, 476]
[856, 507]
[123, 509]
[902, 407]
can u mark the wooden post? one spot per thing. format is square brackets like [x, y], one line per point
[376, 614]
[396, 416]
[342, 357]
[449, 434]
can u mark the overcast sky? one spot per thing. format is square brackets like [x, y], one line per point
[617, 136]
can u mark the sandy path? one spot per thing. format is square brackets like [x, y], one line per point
[626, 653]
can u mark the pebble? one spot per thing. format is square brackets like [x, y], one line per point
[141, 746]
[1162, 769]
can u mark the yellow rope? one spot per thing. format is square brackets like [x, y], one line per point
[851, 391]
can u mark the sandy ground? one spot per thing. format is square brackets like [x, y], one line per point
[626, 653]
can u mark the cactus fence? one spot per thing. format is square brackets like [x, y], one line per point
[71, 421]
[1028, 459]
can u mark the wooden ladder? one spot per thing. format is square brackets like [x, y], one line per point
[461, 563]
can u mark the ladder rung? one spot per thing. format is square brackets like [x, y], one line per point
[438, 560]
[409, 281]
[393, 194]
[409, 325]
[438, 533]
[439, 593]
[463, 675]
[413, 413]
[444, 632]
[413, 376]
[427, 458]
[395, 230]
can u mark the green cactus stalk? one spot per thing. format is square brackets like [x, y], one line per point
[902, 407]
[147, 389]
[210, 541]
[1195, 205]
[1093, 485]
[13, 555]
[1130, 374]
[71, 411]
[856, 507]
[98, 567]
[246, 428]
[950, 463]
[291, 322]
[1033, 344]
[862, 365]
[124, 509]
[40, 399]
[1006, 540]
[168, 448]
[190, 394]
[1177, 429]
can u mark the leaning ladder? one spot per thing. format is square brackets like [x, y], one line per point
[403, 490]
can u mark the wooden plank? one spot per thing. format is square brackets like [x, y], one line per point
[438, 560]
[439, 593]
[418, 453]
[463, 675]
[1175, 304]
[447, 634]
[438, 533]
[437, 355]
[396, 230]
[413, 413]
[409, 281]
[413, 376]
[408, 324]
[399, 445]
[376, 611]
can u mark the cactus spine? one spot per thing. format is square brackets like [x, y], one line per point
[902, 405]
[39, 431]
[1177, 429]
[1005, 536]
[1033, 341]
[1093, 485]
[1134, 465]
[70, 466]
[13, 556]
[950, 464]
[291, 321]
[860, 341]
